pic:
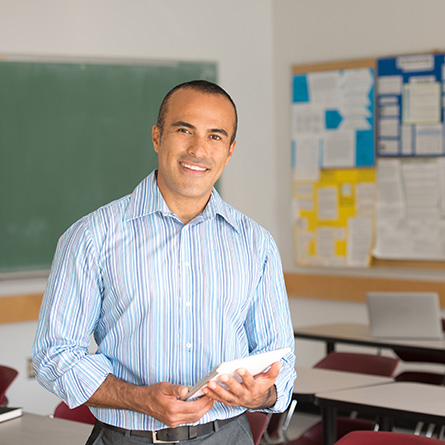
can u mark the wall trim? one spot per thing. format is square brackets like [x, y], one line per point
[348, 288]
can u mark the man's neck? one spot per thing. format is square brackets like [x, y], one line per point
[184, 207]
[186, 212]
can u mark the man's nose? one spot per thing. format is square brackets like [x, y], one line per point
[198, 147]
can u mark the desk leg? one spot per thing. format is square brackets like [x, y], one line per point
[330, 347]
[385, 423]
[329, 425]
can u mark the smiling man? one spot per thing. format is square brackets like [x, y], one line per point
[172, 281]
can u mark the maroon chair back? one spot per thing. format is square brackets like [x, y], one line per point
[78, 414]
[7, 376]
[360, 363]
[258, 423]
[385, 438]
[420, 356]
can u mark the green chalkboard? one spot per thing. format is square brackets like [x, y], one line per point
[73, 136]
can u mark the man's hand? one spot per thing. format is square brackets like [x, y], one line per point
[159, 401]
[163, 404]
[253, 393]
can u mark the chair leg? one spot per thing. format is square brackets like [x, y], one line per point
[419, 427]
[430, 430]
[290, 413]
[282, 428]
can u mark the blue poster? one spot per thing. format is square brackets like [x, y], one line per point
[410, 106]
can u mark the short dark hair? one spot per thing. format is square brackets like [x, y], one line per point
[203, 86]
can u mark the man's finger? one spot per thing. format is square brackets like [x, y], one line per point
[273, 371]
[178, 390]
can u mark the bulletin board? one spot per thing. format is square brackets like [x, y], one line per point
[333, 162]
[395, 142]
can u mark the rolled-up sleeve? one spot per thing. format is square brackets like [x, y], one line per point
[68, 315]
[269, 323]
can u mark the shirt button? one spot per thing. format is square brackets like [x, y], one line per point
[186, 264]
[188, 346]
[188, 303]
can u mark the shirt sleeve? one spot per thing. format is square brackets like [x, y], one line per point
[69, 312]
[269, 324]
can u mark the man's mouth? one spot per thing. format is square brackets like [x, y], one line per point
[193, 167]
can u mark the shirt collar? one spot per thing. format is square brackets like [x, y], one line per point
[147, 199]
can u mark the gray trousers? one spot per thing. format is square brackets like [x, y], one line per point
[234, 433]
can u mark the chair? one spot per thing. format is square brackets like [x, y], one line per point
[7, 376]
[360, 363]
[78, 414]
[385, 438]
[258, 422]
[351, 362]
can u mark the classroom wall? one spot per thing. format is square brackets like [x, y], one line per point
[254, 42]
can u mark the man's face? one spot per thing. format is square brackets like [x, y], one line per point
[194, 147]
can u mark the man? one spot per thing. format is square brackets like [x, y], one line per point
[172, 281]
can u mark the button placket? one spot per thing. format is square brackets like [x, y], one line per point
[186, 288]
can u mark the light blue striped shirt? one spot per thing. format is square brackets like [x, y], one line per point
[166, 302]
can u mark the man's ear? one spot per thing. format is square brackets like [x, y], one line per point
[156, 137]
[230, 153]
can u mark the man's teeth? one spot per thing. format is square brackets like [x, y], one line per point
[194, 167]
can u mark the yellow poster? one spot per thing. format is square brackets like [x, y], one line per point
[334, 218]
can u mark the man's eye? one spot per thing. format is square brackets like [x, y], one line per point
[183, 130]
[215, 137]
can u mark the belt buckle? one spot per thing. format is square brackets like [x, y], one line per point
[155, 439]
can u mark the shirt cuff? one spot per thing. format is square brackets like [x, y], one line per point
[284, 385]
[77, 385]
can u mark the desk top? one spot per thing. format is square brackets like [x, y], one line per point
[315, 380]
[360, 334]
[421, 401]
[43, 430]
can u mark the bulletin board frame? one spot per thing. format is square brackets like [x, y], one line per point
[319, 285]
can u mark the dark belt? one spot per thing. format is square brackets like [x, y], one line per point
[172, 435]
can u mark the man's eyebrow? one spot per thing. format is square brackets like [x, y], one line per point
[183, 124]
[192, 127]
[219, 130]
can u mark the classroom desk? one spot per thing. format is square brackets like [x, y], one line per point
[404, 400]
[43, 430]
[313, 380]
[360, 334]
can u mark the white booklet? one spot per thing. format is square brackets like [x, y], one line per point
[8, 413]
[255, 364]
